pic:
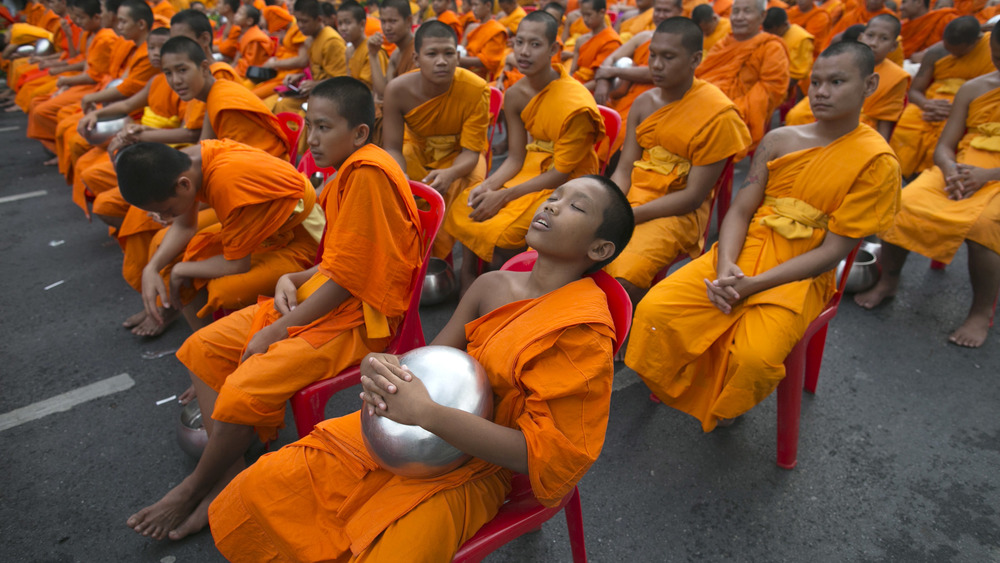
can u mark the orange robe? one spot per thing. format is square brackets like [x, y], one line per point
[886, 104]
[33, 84]
[53, 24]
[327, 58]
[914, 139]
[689, 5]
[920, 33]
[593, 53]
[287, 48]
[935, 226]
[360, 67]
[278, 19]
[800, 46]
[624, 104]
[266, 209]
[753, 73]
[859, 15]
[165, 10]
[372, 248]
[713, 365]
[636, 25]
[549, 362]
[969, 7]
[439, 129]
[235, 113]
[564, 125]
[701, 128]
[722, 30]
[451, 20]
[986, 14]
[255, 48]
[724, 8]
[816, 21]
[511, 20]
[230, 45]
[488, 42]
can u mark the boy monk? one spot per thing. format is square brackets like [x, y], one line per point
[513, 13]
[292, 54]
[749, 66]
[798, 41]
[713, 26]
[711, 339]
[351, 22]
[491, 219]
[922, 27]
[435, 121]
[395, 17]
[963, 55]
[327, 57]
[485, 42]
[679, 135]
[323, 319]
[545, 339]
[955, 201]
[255, 45]
[594, 47]
[444, 14]
[883, 108]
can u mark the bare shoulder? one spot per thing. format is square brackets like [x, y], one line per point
[978, 86]
[517, 96]
[932, 55]
[494, 289]
[784, 140]
[645, 105]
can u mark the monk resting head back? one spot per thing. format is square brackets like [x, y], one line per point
[842, 77]
[776, 21]
[592, 12]
[674, 53]
[666, 9]
[435, 52]
[535, 43]
[746, 18]
[248, 16]
[194, 24]
[395, 16]
[158, 178]
[135, 19]
[339, 119]
[309, 17]
[186, 68]
[705, 17]
[228, 8]
[881, 35]
[584, 224]
[155, 42]
[86, 14]
[351, 18]
[910, 9]
[961, 35]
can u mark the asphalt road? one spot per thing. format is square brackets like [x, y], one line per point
[898, 459]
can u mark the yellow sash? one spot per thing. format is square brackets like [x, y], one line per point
[660, 160]
[793, 218]
[152, 119]
[989, 137]
[949, 86]
[439, 147]
[542, 146]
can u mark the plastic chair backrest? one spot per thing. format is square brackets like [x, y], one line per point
[307, 166]
[612, 127]
[292, 124]
[618, 300]
[496, 104]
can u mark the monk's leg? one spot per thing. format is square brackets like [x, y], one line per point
[984, 271]
[190, 311]
[892, 258]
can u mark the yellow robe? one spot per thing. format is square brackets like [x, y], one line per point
[713, 365]
[360, 67]
[723, 29]
[800, 51]
[327, 58]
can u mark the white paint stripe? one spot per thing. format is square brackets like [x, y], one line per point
[51, 285]
[624, 379]
[66, 401]
[27, 195]
[12, 128]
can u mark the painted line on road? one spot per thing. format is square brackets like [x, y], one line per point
[27, 195]
[624, 379]
[11, 128]
[66, 401]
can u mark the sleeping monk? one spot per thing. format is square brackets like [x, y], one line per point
[679, 136]
[815, 20]
[435, 121]
[327, 58]
[322, 320]
[292, 54]
[545, 339]
[963, 55]
[593, 47]
[749, 66]
[883, 108]
[711, 339]
[395, 17]
[513, 13]
[560, 115]
[485, 42]
[351, 18]
[798, 41]
[255, 45]
[955, 201]
[922, 27]
[713, 26]
[444, 14]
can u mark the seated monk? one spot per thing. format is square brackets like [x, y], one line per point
[690, 5]
[228, 34]
[883, 108]
[435, 121]
[594, 47]
[635, 21]
[395, 17]
[327, 58]
[560, 115]
[351, 22]
[713, 26]
[679, 136]
[798, 41]
[749, 66]
[485, 42]
[863, 12]
[952, 202]
[47, 26]
[513, 13]
[322, 320]
[292, 55]
[711, 339]
[65, 42]
[444, 14]
[922, 27]
[815, 20]
[256, 46]
[545, 340]
[963, 55]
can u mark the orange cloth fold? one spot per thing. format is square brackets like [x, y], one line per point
[920, 33]
[594, 51]
[816, 21]
[488, 42]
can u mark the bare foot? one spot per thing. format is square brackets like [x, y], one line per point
[726, 422]
[135, 319]
[157, 520]
[51, 162]
[876, 295]
[195, 522]
[972, 333]
[150, 328]
[188, 395]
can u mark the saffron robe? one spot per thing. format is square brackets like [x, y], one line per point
[816, 21]
[593, 53]
[451, 20]
[689, 5]
[636, 25]
[255, 49]
[488, 43]
[914, 139]
[885, 104]
[724, 8]
[713, 365]
[564, 125]
[34, 84]
[935, 226]
[549, 362]
[360, 67]
[859, 15]
[800, 51]
[327, 58]
[287, 48]
[753, 73]
[722, 30]
[511, 20]
[701, 128]
[920, 33]
[372, 248]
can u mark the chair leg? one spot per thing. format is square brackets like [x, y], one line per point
[790, 407]
[814, 358]
[574, 524]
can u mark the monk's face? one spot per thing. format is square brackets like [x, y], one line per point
[911, 8]
[58, 6]
[746, 18]
[565, 225]
[874, 5]
[440, 6]
[348, 27]
[591, 18]
[309, 25]
[482, 10]
[437, 60]
[108, 18]
[330, 136]
[643, 5]
[995, 50]
[155, 43]
[532, 50]
[179, 204]
[186, 78]
[394, 25]
[880, 37]
[666, 9]
[670, 64]
[127, 27]
[959, 50]
[837, 89]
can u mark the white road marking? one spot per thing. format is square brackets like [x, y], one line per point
[51, 285]
[66, 401]
[624, 378]
[18, 197]
[11, 128]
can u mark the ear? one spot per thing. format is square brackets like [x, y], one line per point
[696, 59]
[871, 84]
[184, 186]
[600, 250]
[361, 132]
[554, 48]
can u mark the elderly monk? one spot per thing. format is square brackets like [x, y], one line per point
[679, 136]
[594, 47]
[485, 42]
[322, 320]
[711, 339]
[435, 121]
[922, 27]
[545, 340]
[713, 26]
[957, 200]
[963, 55]
[560, 115]
[749, 66]
[800, 43]
[327, 57]
[815, 20]
[351, 22]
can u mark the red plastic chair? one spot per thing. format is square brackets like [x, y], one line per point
[309, 404]
[496, 104]
[292, 124]
[307, 166]
[612, 126]
[521, 512]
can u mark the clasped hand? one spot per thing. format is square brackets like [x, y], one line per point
[486, 202]
[966, 181]
[392, 391]
[730, 287]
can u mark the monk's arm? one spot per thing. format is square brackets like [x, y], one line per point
[631, 151]
[175, 136]
[823, 258]
[578, 134]
[76, 80]
[478, 437]
[178, 234]
[468, 310]
[215, 267]
[326, 298]
[700, 181]
[393, 123]
[379, 78]
[517, 137]
[105, 96]
[884, 128]
[301, 60]
[127, 106]
[733, 232]
[925, 76]
[206, 129]
[954, 129]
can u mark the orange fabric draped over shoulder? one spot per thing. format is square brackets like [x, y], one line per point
[511, 20]
[816, 21]
[624, 104]
[488, 42]
[859, 15]
[235, 113]
[359, 66]
[714, 365]
[753, 73]
[689, 5]
[920, 33]
[800, 44]
[287, 48]
[450, 19]
[723, 7]
[255, 48]
[722, 30]
[637, 24]
[593, 53]
[886, 104]
[277, 17]
[549, 361]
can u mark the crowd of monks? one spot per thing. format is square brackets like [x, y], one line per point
[284, 283]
